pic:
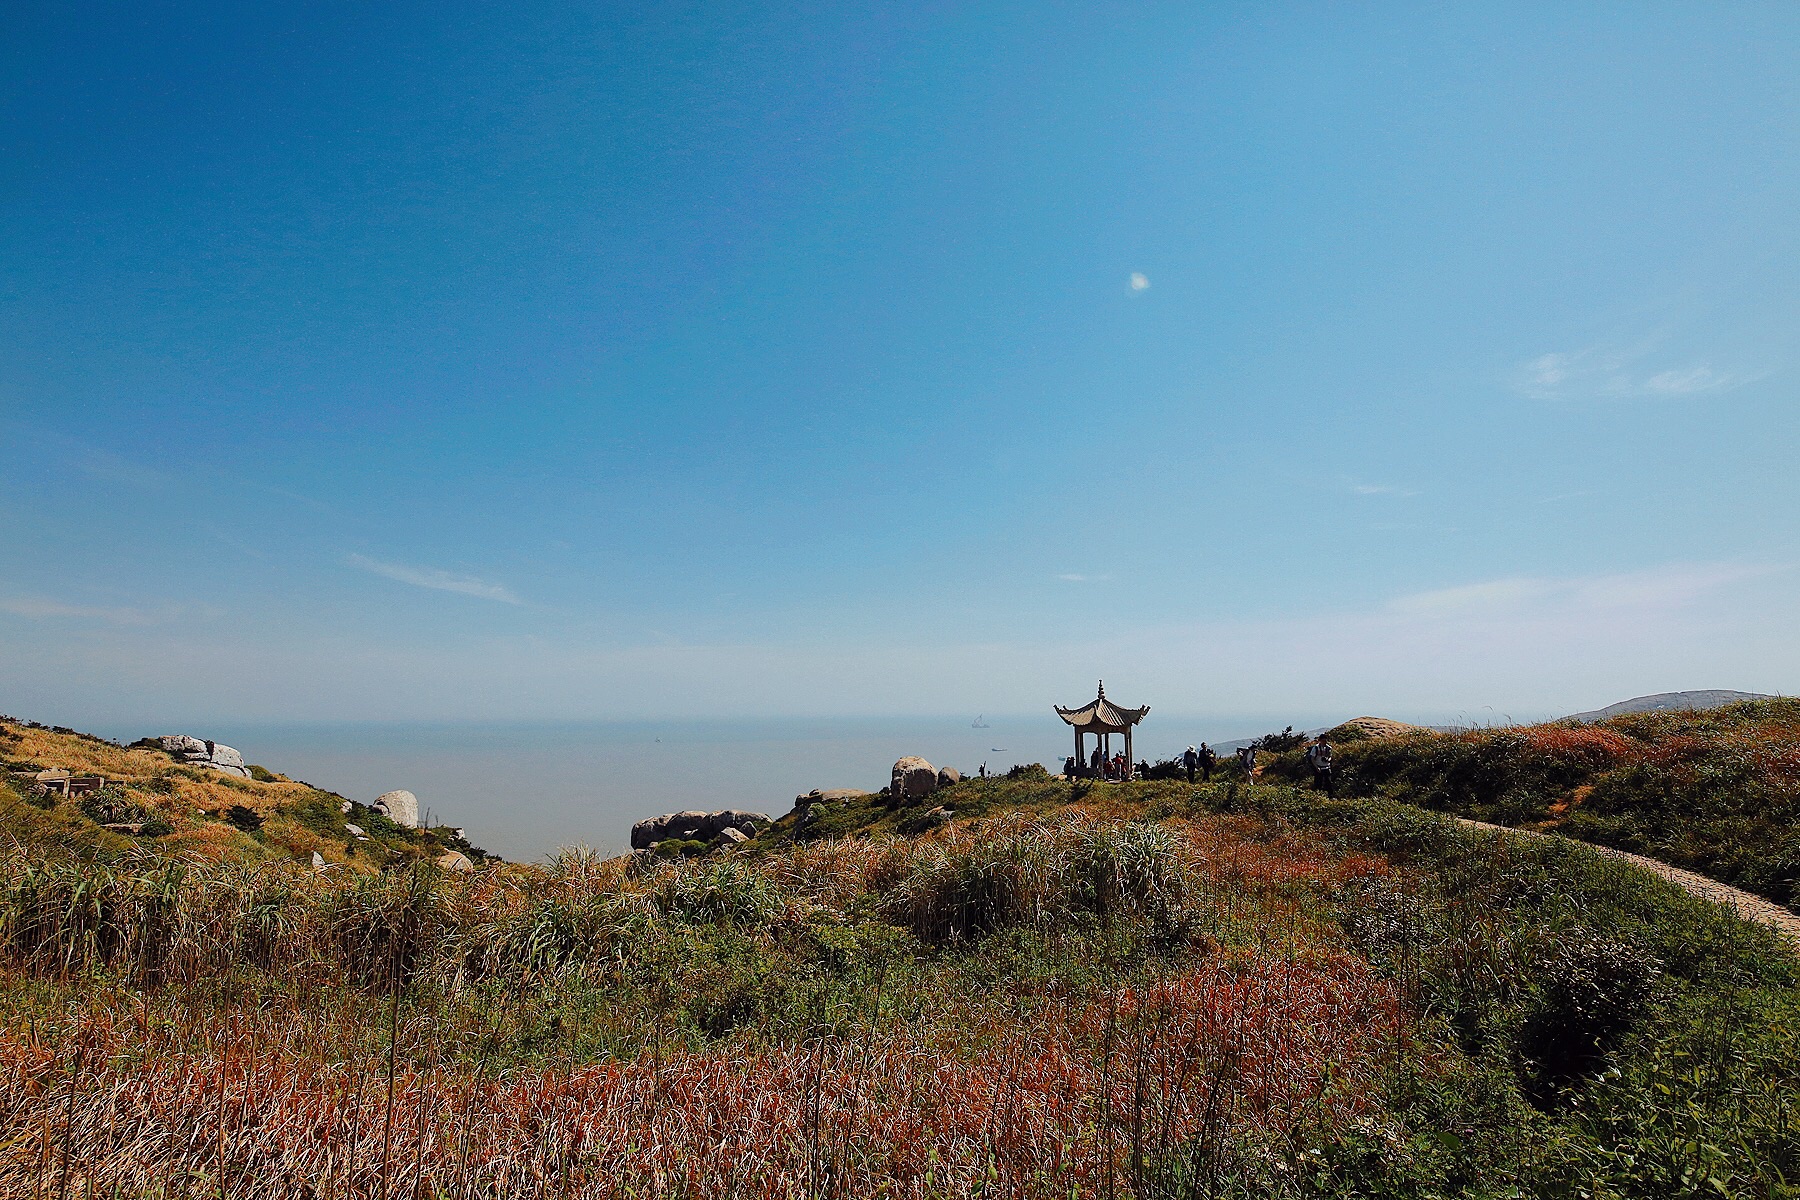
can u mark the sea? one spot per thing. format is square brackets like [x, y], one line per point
[522, 790]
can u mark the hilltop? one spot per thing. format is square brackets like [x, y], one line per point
[153, 801]
[1694, 701]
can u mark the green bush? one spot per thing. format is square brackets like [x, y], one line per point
[1588, 991]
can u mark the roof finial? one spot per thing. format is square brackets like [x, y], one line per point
[1103, 689]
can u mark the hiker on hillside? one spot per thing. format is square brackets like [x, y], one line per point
[1095, 764]
[1247, 756]
[1318, 756]
[1207, 760]
[1191, 760]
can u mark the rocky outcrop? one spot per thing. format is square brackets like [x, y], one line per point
[948, 776]
[455, 860]
[202, 753]
[400, 807]
[828, 796]
[694, 825]
[913, 779]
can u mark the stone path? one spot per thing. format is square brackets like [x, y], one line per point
[1747, 906]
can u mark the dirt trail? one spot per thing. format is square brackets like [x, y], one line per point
[1747, 906]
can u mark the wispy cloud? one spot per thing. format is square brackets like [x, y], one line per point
[1599, 373]
[1381, 489]
[1139, 281]
[34, 608]
[1073, 577]
[430, 577]
[1688, 382]
[1661, 587]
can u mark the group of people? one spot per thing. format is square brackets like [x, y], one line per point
[1099, 766]
[1199, 763]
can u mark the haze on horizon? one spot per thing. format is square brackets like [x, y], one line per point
[558, 362]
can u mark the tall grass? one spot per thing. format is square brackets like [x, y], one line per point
[1067, 1004]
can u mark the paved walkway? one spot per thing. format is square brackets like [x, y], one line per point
[1747, 906]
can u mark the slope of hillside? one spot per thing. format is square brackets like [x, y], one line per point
[154, 803]
[1140, 990]
[1716, 791]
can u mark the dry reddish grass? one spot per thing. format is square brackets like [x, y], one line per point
[1083, 1099]
[1590, 744]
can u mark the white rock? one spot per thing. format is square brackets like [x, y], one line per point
[205, 754]
[318, 861]
[345, 808]
[354, 829]
[224, 758]
[455, 860]
[400, 807]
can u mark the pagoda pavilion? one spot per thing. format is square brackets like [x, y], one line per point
[1102, 718]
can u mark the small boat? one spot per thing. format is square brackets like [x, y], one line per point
[978, 723]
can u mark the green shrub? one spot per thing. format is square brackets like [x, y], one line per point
[246, 819]
[1589, 990]
[719, 893]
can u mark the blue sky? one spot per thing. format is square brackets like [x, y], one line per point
[447, 361]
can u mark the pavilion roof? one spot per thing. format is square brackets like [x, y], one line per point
[1101, 715]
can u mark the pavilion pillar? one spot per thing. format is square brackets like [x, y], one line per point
[1129, 761]
[1079, 762]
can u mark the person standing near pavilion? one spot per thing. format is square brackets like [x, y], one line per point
[1318, 756]
[1207, 759]
[1096, 762]
[1191, 760]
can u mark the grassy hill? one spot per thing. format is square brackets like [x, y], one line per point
[156, 805]
[1053, 989]
[1715, 791]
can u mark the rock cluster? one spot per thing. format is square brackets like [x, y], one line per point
[696, 826]
[400, 807]
[914, 779]
[202, 753]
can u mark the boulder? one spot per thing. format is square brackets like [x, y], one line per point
[400, 807]
[354, 830]
[224, 758]
[948, 776]
[913, 778]
[318, 861]
[202, 753]
[743, 821]
[455, 860]
[646, 834]
[733, 836]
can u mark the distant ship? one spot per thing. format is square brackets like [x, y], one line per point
[978, 723]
